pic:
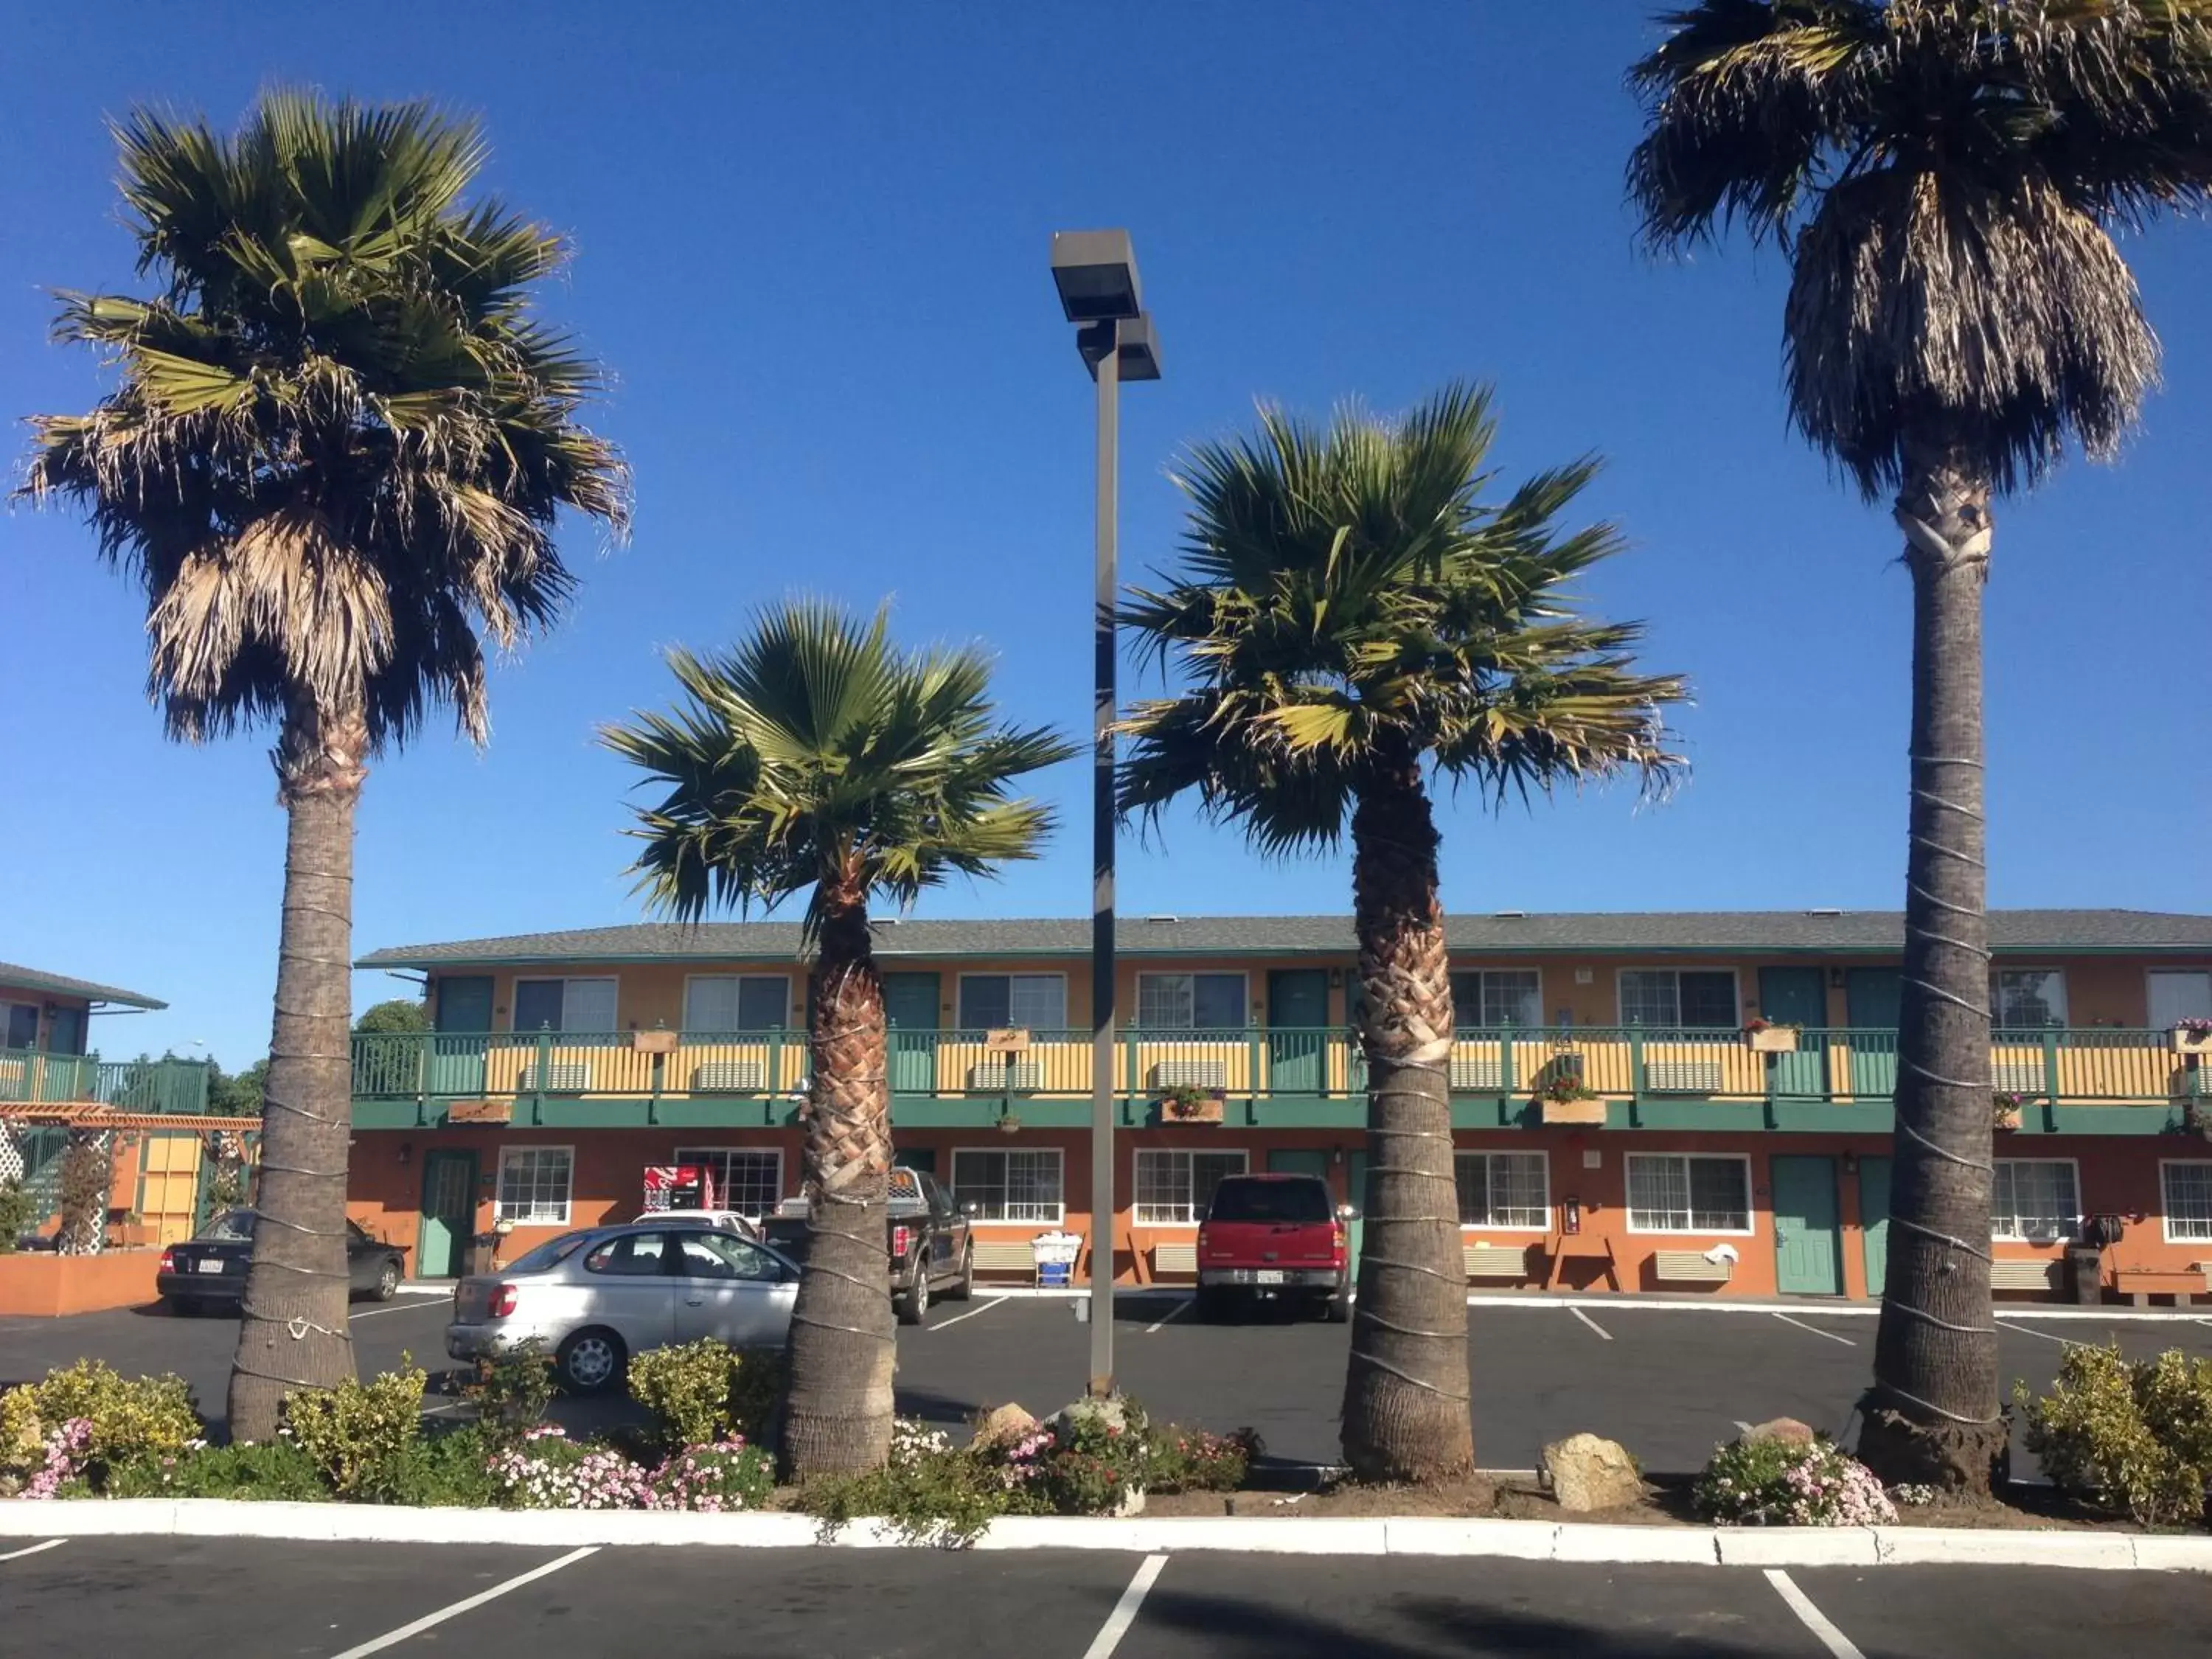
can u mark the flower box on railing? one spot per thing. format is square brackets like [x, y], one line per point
[2193, 1037]
[1771, 1039]
[1190, 1105]
[1590, 1110]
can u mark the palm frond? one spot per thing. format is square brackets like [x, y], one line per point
[341, 441]
[1346, 596]
[816, 755]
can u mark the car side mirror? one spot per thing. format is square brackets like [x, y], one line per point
[971, 1208]
[1345, 1213]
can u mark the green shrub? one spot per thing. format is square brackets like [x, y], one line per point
[1092, 1456]
[19, 1213]
[273, 1471]
[359, 1434]
[704, 1392]
[945, 1499]
[130, 1417]
[2132, 1438]
[448, 1470]
[1764, 1481]
[1194, 1459]
[511, 1394]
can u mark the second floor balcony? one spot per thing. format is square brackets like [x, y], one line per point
[2092, 1080]
[33, 1077]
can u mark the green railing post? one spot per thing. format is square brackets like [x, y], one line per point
[541, 1073]
[1636, 1061]
[656, 1071]
[1506, 1083]
[775, 1060]
[1252, 1059]
[2050, 1034]
[1129, 1054]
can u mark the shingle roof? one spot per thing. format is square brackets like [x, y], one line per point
[31, 978]
[1826, 932]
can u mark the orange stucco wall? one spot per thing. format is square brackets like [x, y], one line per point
[2116, 1174]
[41, 1283]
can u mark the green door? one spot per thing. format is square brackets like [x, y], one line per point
[1297, 1038]
[449, 1209]
[456, 1046]
[910, 1005]
[1873, 998]
[1796, 996]
[1873, 1221]
[1808, 1229]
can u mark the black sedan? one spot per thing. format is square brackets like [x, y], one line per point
[207, 1270]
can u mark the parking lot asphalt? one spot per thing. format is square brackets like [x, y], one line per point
[186, 1598]
[1669, 1384]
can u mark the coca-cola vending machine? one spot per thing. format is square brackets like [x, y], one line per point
[678, 1187]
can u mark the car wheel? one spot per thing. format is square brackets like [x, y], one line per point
[964, 1287]
[387, 1281]
[1211, 1304]
[1337, 1308]
[590, 1361]
[914, 1305]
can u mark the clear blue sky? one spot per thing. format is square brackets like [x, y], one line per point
[811, 243]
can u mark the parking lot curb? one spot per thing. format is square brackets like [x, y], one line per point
[1420, 1535]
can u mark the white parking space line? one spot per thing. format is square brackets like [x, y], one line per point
[995, 1302]
[375, 1313]
[1816, 1330]
[392, 1639]
[1176, 1312]
[2007, 1325]
[1811, 1617]
[1124, 1614]
[35, 1549]
[1588, 1321]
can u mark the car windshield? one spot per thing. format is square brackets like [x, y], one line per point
[550, 1254]
[1270, 1200]
[232, 1226]
[789, 1233]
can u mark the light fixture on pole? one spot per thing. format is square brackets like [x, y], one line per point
[1096, 272]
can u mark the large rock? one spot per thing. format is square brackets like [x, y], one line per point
[1586, 1472]
[1004, 1425]
[1788, 1430]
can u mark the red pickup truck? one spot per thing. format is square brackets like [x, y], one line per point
[1269, 1237]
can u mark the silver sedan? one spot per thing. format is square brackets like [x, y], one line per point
[593, 1298]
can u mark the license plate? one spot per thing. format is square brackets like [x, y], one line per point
[210, 1265]
[1268, 1276]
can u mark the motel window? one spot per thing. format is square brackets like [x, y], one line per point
[1504, 1189]
[2035, 1199]
[1496, 996]
[1009, 1186]
[1190, 1002]
[749, 1180]
[22, 1025]
[1674, 1192]
[2188, 1193]
[1174, 1188]
[565, 1005]
[2028, 998]
[534, 1185]
[736, 1002]
[1031, 1002]
[1678, 999]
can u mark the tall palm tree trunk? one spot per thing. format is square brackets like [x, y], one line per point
[1932, 1415]
[292, 1331]
[1406, 1393]
[837, 1417]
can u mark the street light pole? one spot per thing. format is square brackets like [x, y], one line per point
[1096, 272]
[1105, 591]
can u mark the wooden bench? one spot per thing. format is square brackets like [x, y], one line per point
[1007, 1076]
[2023, 1275]
[2017, 1077]
[563, 1078]
[1190, 1074]
[1497, 1261]
[1477, 1076]
[1003, 1256]
[1174, 1259]
[1683, 1077]
[1690, 1268]
[2139, 1284]
[729, 1077]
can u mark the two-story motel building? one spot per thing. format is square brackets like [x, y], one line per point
[564, 1065]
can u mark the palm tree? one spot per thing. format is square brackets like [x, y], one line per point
[1941, 174]
[814, 754]
[1352, 619]
[335, 450]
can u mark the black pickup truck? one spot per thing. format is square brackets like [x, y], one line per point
[931, 1254]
